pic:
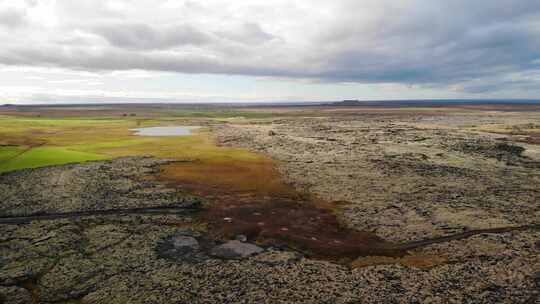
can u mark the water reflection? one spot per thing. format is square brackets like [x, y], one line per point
[165, 131]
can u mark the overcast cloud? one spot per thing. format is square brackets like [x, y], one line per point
[468, 47]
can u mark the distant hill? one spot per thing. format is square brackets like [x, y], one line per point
[347, 103]
[433, 102]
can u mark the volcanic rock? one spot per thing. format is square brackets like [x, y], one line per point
[235, 250]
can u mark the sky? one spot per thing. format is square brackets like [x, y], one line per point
[65, 51]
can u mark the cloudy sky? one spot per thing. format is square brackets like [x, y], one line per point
[261, 50]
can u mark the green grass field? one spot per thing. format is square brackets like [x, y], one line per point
[47, 156]
[31, 142]
[8, 152]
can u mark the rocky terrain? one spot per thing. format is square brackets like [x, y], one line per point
[405, 178]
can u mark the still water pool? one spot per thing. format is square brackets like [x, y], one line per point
[165, 131]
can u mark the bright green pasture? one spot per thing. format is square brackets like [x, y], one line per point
[9, 152]
[47, 156]
[38, 142]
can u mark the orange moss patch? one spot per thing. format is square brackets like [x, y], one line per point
[258, 177]
[20, 141]
[248, 197]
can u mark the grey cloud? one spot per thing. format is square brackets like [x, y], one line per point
[119, 59]
[247, 33]
[469, 44]
[439, 43]
[12, 18]
[142, 36]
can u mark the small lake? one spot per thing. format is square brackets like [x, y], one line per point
[165, 131]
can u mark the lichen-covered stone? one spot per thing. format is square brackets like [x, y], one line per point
[15, 295]
[235, 250]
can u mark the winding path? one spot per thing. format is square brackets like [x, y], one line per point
[380, 248]
[159, 210]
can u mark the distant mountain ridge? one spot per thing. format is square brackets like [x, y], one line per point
[348, 103]
[427, 102]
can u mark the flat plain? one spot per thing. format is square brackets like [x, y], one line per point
[274, 204]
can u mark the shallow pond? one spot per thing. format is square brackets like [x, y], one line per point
[165, 131]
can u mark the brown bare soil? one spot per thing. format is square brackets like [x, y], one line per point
[250, 198]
